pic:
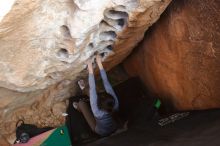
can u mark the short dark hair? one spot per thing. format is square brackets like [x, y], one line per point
[106, 102]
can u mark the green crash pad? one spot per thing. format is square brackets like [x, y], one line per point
[60, 137]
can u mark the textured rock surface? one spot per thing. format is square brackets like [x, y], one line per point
[179, 59]
[45, 43]
[4, 142]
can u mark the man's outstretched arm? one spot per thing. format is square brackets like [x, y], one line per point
[106, 82]
[92, 92]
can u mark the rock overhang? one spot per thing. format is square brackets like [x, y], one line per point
[49, 39]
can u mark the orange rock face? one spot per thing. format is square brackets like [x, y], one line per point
[3, 142]
[179, 59]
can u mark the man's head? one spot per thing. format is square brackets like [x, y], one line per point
[106, 102]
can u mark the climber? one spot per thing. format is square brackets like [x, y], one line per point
[103, 105]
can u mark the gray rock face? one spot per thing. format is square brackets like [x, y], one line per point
[45, 43]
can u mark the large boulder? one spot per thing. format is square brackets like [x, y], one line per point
[44, 46]
[179, 58]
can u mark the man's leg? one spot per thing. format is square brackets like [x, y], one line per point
[87, 113]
